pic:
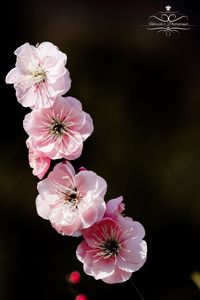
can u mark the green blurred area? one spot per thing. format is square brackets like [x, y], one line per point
[143, 93]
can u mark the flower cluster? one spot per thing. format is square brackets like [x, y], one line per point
[74, 203]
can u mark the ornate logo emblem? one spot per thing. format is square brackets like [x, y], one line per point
[168, 22]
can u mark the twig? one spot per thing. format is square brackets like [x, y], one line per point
[136, 289]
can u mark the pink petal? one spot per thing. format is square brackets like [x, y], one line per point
[74, 103]
[42, 96]
[78, 120]
[37, 161]
[43, 209]
[49, 50]
[88, 216]
[48, 148]
[65, 221]
[71, 147]
[76, 154]
[81, 252]
[25, 50]
[61, 85]
[43, 164]
[25, 96]
[137, 230]
[88, 127]
[101, 209]
[56, 71]
[27, 58]
[13, 75]
[27, 122]
[104, 267]
[114, 206]
[135, 251]
[65, 167]
[47, 191]
[22, 48]
[117, 277]
[102, 187]
[129, 267]
[69, 230]
[86, 181]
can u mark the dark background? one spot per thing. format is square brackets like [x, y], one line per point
[143, 92]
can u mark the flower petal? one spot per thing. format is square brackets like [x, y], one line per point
[86, 181]
[13, 75]
[136, 251]
[118, 276]
[43, 209]
[136, 229]
[103, 268]
[81, 252]
[88, 216]
[88, 127]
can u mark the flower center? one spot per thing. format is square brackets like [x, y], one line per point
[58, 128]
[73, 198]
[39, 75]
[110, 247]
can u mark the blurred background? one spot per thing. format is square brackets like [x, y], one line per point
[143, 92]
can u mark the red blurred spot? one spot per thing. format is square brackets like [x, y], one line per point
[74, 277]
[81, 297]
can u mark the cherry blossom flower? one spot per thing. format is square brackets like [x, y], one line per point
[39, 75]
[71, 201]
[113, 248]
[59, 131]
[38, 161]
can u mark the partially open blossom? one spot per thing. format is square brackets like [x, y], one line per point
[39, 75]
[71, 201]
[37, 161]
[59, 131]
[114, 208]
[113, 248]
[82, 169]
[74, 277]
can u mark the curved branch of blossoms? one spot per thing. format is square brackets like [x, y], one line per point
[113, 246]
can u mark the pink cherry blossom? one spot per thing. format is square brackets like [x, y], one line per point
[113, 248]
[37, 160]
[59, 131]
[39, 75]
[71, 201]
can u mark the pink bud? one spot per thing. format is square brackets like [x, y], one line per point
[82, 169]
